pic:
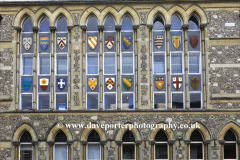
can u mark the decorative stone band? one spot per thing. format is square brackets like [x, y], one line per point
[16, 143]
[167, 26]
[100, 27]
[103, 142]
[221, 141]
[69, 142]
[118, 27]
[138, 142]
[83, 27]
[50, 143]
[34, 143]
[206, 141]
[185, 26]
[187, 141]
[135, 27]
[52, 28]
[152, 142]
[119, 142]
[171, 141]
[83, 142]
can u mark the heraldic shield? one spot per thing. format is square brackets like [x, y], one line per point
[195, 82]
[127, 41]
[43, 83]
[92, 42]
[61, 82]
[193, 40]
[158, 40]
[27, 42]
[109, 41]
[92, 83]
[44, 42]
[176, 41]
[159, 82]
[127, 82]
[177, 82]
[61, 42]
[26, 82]
[110, 83]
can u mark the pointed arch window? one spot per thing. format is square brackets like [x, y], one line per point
[128, 146]
[194, 63]
[60, 146]
[196, 146]
[26, 71]
[44, 64]
[110, 64]
[61, 65]
[127, 64]
[26, 148]
[92, 64]
[161, 146]
[230, 146]
[159, 64]
[93, 146]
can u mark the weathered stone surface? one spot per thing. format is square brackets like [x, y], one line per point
[6, 29]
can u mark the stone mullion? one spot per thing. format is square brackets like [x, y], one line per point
[185, 38]
[16, 154]
[69, 146]
[118, 29]
[150, 27]
[34, 150]
[238, 150]
[204, 60]
[70, 87]
[188, 148]
[152, 145]
[100, 29]
[102, 149]
[170, 143]
[119, 144]
[135, 28]
[83, 79]
[50, 150]
[52, 92]
[35, 63]
[222, 142]
[137, 151]
[206, 143]
[84, 144]
[167, 28]
[18, 54]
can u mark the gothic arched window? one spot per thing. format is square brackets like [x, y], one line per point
[110, 64]
[26, 148]
[161, 146]
[193, 23]
[230, 146]
[60, 146]
[159, 64]
[93, 146]
[128, 146]
[196, 146]
[127, 64]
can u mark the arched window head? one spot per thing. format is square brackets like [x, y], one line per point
[193, 23]
[161, 137]
[196, 136]
[26, 137]
[229, 136]
[92, 24]
[127, 24]
[176, 23]
[44, 25]
[27, 25]
[60, 137]
[128, 137]
[93, 137]
[62, 25]
[109, 24]
[158, 24]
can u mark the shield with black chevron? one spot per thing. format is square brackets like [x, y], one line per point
[92, 42]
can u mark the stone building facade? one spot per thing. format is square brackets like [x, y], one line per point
[218, 32]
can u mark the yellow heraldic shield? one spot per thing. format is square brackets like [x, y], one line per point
[159, 82]
[92, 83]
[176, 41]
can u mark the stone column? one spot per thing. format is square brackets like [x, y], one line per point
[206, 143]
[70, 88]
[18, 53]
[119, 144]
[135, 51]
[167, 28]
[50, 150]
[222, 142]
[102, 149]
[16, 154]
[34, 143]
[35, 64]
[83, 78]
[238, 152]
[185, 51]
[170, 143]
[204, 61]
[52, 92]
[84, 144]
[150, 27]
[118, 29]
[69, 144]
[137, 149]
[187, 142]
[100, 29]
[152, 144]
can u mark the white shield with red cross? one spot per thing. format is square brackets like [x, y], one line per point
[177, 82]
